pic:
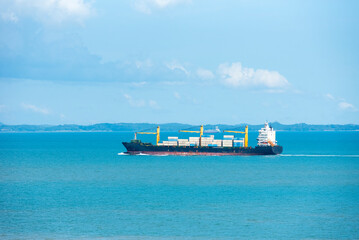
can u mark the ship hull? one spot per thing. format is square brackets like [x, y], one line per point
[147, 148]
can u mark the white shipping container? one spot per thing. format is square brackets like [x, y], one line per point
[194, 138]
[228, 136]
[183, 144]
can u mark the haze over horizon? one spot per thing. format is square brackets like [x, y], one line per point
[185, 61]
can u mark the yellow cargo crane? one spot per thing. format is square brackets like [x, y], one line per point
[157, 134]
[200, 131]
[245, 135]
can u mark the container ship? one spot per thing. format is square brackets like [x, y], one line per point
[207, 145]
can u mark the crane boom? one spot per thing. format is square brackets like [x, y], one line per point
[245, 135]
[233, 131]
[200, 131]
[157, 133]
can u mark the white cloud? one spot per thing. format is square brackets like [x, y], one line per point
[143, 7]
[35, 108]
[341, 102]
[144, 64]
[153, 104]
[235, 75]
[177, 95]
[139, 84]
[204, 73]
[176, 66]
[134, 102]
[347, 106]
[173, 83]
[9, 17]
[47, 10]
[140, 102]
[329, 97]
[147, 6]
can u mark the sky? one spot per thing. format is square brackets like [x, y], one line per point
[184, 61]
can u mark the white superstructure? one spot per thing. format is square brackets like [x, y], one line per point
[216, 130]
[266, 136]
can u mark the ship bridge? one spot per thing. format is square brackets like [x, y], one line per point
[266, 136]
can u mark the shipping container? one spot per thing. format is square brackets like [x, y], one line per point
[228, 136]
[212, 145]
[194, 138]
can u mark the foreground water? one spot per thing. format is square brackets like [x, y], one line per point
[76, 186]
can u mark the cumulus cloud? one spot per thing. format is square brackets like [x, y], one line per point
[176, 66]
[147, 6]
[204, 73]
[36, 109]
[46, 10]
[235, 75]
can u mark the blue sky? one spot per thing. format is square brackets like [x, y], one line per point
[188, 61]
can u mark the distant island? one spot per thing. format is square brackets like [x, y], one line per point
[168, 127]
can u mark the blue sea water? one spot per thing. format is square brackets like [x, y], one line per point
[76, 186]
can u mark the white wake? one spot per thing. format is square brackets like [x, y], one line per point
[317, 155]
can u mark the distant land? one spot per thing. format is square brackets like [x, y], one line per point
[168, 127]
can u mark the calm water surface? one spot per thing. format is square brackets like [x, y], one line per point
[76, 186]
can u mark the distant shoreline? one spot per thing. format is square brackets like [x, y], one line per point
[6, 132]
[170, 127]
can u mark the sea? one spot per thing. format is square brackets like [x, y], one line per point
[83, 186]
